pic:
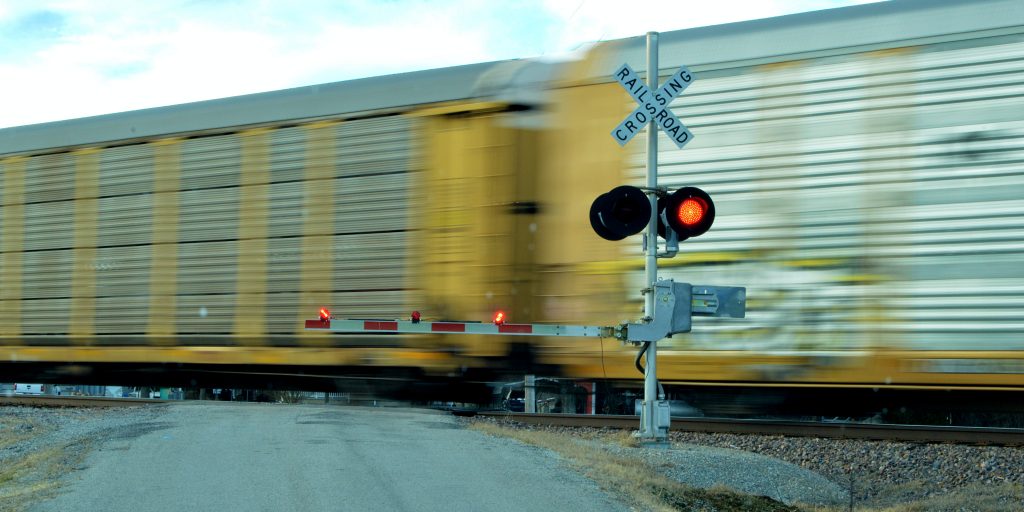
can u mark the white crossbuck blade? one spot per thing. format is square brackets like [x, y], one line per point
[654, 107]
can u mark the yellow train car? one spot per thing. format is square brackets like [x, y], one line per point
[198, 238]
[864, 162]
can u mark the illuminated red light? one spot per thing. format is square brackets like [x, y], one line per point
[688, 211]
[691, 211]
[324, 315]
[499, 318]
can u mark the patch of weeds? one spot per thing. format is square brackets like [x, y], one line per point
[682, 497]
[14, 430]
[636, 480]
[19, 480]
[35, 476]
[1004, 497]
[894, 494]
[624, 438]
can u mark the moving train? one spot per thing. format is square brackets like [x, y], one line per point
[865, 163]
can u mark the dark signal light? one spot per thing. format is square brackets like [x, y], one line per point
[619, 213]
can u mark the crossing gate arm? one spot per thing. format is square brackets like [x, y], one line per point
[410, 327]
[675, 305]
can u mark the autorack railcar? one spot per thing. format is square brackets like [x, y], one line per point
[865, 164]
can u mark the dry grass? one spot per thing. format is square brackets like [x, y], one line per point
[1002, 497]
[30, 477]
[624, 438]
[988, 498]
[27, 478]
[14, 430]
[634, 479]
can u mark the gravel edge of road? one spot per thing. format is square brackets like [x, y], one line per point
[44, 462]
[880, 474]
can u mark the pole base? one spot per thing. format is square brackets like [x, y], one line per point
[648, 441]
[654, 444]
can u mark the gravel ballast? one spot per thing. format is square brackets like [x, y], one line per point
[882, 472]
[56, 440]
[750, 473]
[879, 473]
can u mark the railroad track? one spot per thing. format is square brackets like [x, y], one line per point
[75, 401]
[880, 432]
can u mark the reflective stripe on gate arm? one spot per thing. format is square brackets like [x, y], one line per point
[405, 326]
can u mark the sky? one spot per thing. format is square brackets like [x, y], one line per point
[64, 59]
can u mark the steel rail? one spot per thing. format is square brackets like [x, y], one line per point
[868, 431]
[76, 401]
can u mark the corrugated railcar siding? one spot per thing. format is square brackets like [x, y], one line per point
[230, 238]
[875, 199]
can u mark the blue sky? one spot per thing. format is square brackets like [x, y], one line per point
[62, 59]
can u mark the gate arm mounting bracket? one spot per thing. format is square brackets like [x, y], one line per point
[676, 303]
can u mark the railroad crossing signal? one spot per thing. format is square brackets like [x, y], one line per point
[653, 106]
[625, 211]
[687, 212]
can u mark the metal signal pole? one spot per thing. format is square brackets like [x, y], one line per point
[649, 426]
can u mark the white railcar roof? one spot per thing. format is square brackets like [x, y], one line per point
[829, 32]
[832, 31]
[337, 99]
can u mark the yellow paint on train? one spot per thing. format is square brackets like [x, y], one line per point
[81, 322]
[786, 65]
[459, 108]
[163, 273]
[476, 222]
[317, 253]
[12, 179]
[253, 216]
[432, 362]
[681, 260]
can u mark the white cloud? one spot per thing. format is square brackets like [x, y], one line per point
[71, 58]
[597, 20]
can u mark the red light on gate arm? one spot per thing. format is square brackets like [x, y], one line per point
[691, 211]
[499, 318]
[415, 317]
[324, 315]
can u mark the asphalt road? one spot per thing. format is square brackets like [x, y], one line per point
[253, 457]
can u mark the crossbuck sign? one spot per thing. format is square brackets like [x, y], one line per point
[653, 107]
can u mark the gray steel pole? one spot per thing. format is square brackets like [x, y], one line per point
[649, 428]
[530, 394]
